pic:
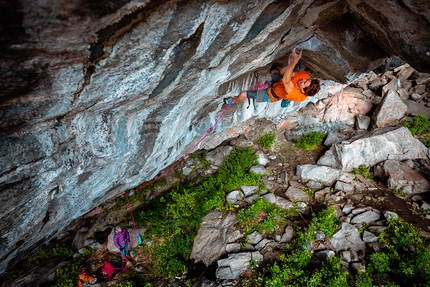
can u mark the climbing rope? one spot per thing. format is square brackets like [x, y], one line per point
[127, 193]
[190, 151]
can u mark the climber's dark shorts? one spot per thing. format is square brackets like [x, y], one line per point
[261, 96]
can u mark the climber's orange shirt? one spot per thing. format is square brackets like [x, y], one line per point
[295, 94]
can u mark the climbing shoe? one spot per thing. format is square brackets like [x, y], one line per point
[228, 101]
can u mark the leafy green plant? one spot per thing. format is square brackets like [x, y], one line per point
[405, 260]
[63, 251]
[310, 141]
[263, 217]
[267, 140]
[308, 191]
[426, 140]
[68, 274]
[363, 170]
[172, 220]
[417, 125]
[293, 267]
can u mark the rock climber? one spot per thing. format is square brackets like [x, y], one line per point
[121, 239]
[286, 85]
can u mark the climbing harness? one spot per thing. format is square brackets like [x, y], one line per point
[258, 86]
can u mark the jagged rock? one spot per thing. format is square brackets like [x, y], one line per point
[362, 122]
[315, 185]
[390, 110]
[262, 244]
[369, 237]
[404, 72]
[390, 215]
[254, 237]
[403, 94]
[416, 96]
[324, 174]
[399, 175]
[278, 201]
[288, 235]
[82, 238]
[376, 147]
[415, 108]
[216, 231]
[347, 238]
[296, 194]
[235, 264]
[319, 235]
[249, 190]
[378, 83]
[217, 155]
[232, 247]
[323, 255]
[235, 196]
[262, 158]
[393, 85]
[365, 217]
[259, 169]
[345, 187]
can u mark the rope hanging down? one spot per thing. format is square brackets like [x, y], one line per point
[169, 169]
[190, 151]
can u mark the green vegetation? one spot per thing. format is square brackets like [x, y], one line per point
[63, 251]
[173, 219]
[267, 140]
[363, 170]
[426, 140]
[264, 217]
[405, 260]
[294, 266]
[310, 141]
[309, 191]
[68, 274]
[417, 125]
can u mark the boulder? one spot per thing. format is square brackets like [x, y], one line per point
[235, 264]
[399, 175]
[347, 238]
[216, 231]
[370, 150]
[390, 110]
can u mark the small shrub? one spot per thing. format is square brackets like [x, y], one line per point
[405, 260]
[309, 191]
[263, 217]
[363, 170]
[267, 140]
[417, 125]
[310, 141]
[426, 140]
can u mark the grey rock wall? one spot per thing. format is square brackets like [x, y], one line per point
[97, 97]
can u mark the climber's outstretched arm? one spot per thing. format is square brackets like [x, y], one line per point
[288, 70]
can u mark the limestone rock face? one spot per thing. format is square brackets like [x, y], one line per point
[97, 97]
